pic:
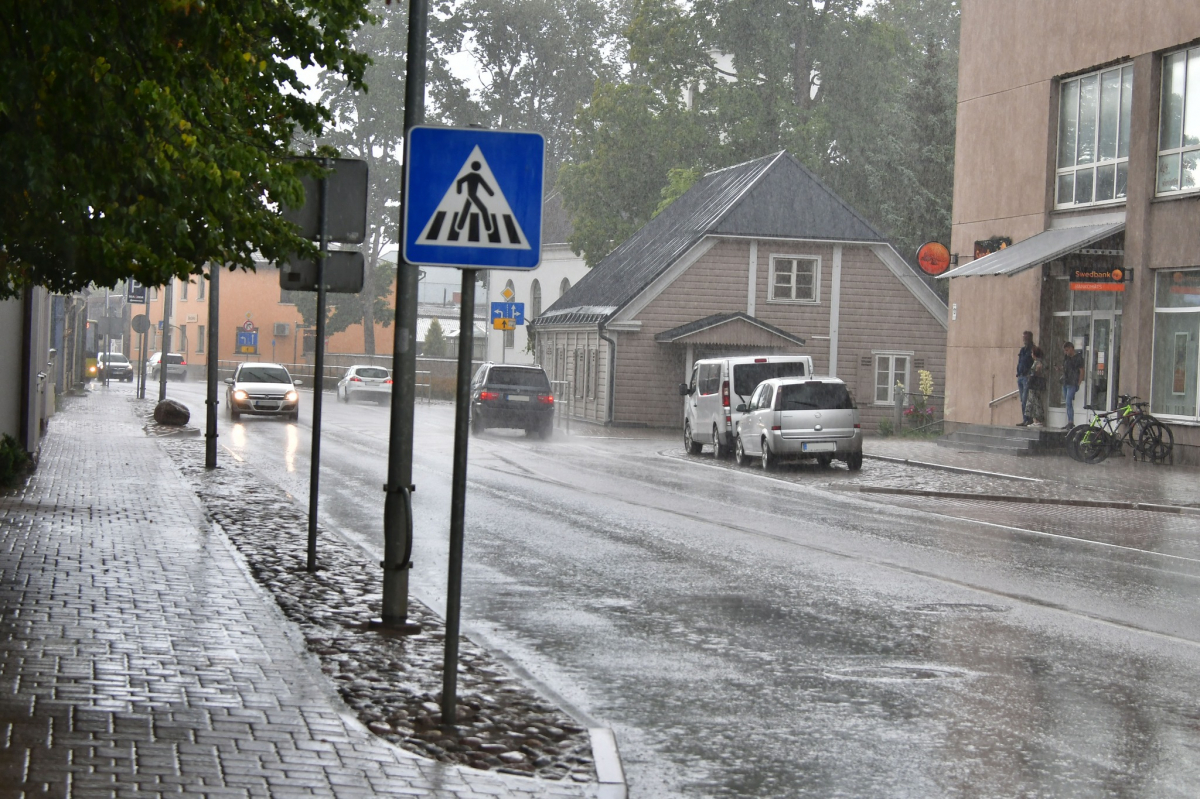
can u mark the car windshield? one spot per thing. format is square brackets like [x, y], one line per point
[747, 376]
[264, 374]
[524, 378]
[114, 359]
[816, 396]
[372, 373]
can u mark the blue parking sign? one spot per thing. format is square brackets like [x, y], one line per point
[473, 198]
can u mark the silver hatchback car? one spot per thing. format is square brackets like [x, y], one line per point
[796, 418]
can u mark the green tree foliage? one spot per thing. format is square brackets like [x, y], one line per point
[436, 345]
[370, 125]
[146, 139]
[865, 99]
[538, 60]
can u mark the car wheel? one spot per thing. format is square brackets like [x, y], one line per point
[476, 425]
[720, 449]
[769, 461]
[825, 460]
[690, 446]
[294, 416]
[739, 452]
[233, 413]
[854, 461]
[343, 397]
[547, 431]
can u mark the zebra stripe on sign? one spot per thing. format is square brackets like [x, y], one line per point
[473, 212]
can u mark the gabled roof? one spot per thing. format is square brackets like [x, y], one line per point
[769, 197]
[707, 325]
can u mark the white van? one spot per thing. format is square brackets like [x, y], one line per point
[718, 385]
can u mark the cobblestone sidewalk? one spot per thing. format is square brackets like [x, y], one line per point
[138, 659]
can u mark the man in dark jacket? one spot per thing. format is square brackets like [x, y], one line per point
[1024, 365]
[1072, 377]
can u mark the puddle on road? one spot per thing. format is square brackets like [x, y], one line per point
[958, 608]
[897, 673]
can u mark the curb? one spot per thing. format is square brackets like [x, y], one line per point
[958, 469]
[1079, 503]
[607, 760]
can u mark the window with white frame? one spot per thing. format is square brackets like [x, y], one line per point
[1179, 124]
[183, 290]
[535, 300]
[795, 278]
[200, 340]
[1175, 378]
[1093, 138]
[890, 368]
[200, 282]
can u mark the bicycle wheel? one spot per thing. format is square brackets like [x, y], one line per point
[1072, 442]
[1155, 442]
[1094, 445]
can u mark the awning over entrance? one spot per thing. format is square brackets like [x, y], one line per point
[729, 329]
[1036, 250]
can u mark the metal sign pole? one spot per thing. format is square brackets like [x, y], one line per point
[397, 504]
[166, 342]
[458, 496]
[314, 478]
[210, 434]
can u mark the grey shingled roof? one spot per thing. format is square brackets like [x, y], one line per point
[683, 331]
[770, 197]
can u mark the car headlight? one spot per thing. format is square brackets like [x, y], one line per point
[240, 395]
[291, 396]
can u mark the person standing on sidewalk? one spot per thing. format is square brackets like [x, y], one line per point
[1035, 408]
[1024, 365]
[1072, 377]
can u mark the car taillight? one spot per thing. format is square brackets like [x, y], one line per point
[546, 399]
[388, 381]
[760, 360]
[488, 395]
[857, 426]
[183, 363]
[776, 429]
[356, 379]
[725, 393]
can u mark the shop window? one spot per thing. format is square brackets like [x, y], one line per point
[1176, 374]
[890, 368]
[200, 339]
[1179, 124]
[794, 278]
[1093, 138]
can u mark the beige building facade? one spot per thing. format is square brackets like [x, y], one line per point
[1078, 167]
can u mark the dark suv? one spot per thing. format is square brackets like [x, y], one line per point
[504, 395]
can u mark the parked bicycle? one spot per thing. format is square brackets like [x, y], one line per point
[1109, 431]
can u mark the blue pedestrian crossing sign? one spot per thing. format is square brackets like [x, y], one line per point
[473, 198]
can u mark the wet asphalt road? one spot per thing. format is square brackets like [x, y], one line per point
[752, 636]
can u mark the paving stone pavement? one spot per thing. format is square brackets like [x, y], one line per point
[137, 658]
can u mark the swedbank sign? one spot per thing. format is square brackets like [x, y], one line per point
[1091, 278]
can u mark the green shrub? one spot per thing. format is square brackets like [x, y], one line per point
[885, 427]
[13, 461]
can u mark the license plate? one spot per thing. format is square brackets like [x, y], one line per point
[518, 398]
[820, 446]
[266, 406]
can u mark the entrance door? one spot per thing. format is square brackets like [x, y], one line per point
[1101, 371]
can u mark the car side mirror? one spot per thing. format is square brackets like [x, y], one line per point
[297, 382]
[229, 381]
[741, 408]
[684, 390]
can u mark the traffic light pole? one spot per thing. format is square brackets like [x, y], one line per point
[397, 506]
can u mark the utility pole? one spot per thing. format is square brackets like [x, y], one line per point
[210, 433]
[166, 342]
[397, 506]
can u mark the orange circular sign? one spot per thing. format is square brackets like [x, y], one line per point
[933, 258]
[1118, 275]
